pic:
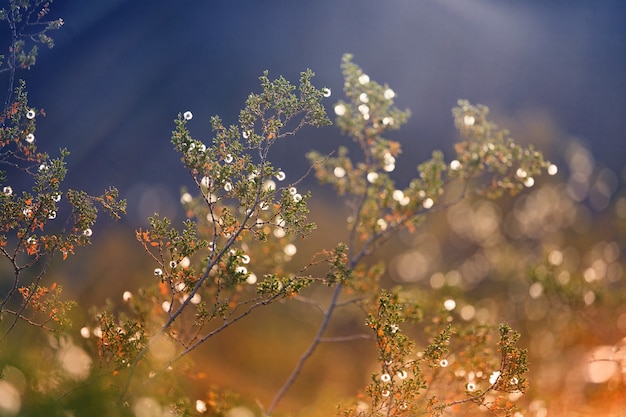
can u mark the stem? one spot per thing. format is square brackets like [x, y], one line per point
[305, 356]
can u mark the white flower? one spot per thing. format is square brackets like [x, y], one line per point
[7, 190]
[372, 177]
[293, 190]
[494, 377]
[201, 406]
[85, 333]
[245, 134]
[428, 203]
[196, 299]
[449, 304]
[185, 262]
[364, 79]
[290, 249]
[397, 195]
[202, 148]
[385, 377]
[339, 172]
[87, 232]
[443, 363]
[297, 198]
[340, 109]
[56, 198]
[241, 270]
[173, 264]
[228, 187]
[402, 374]
[469, 120]
[280, 176]
[553, 169]
[387, 121]
[521, 173]
[326, 92]
[158, 272]
[471, 387]
[43, 167]
[52, 215]
[364, 109]
[455, 165]
[188, 115]
[206, 182]
[251, 278]
[385, 393]
[228, 158]
[127, 296]
[186, 198]
[30, 138]
[389, 94]
[166, 306]
[529, 182]
[245, 259]
[30, 114]
[279, 232]
[364, 98]
[31, 240]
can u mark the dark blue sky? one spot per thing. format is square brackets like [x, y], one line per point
[123, 69]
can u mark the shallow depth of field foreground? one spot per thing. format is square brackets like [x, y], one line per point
[194, 223]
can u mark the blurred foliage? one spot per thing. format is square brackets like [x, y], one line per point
[427, 298]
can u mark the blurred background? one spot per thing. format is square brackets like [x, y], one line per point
[553, 73]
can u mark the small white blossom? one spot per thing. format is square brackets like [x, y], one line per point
[228, 187]
[56, 198]
[529, 182]
[87, 232]
[449, 304]
[469, 120]
[455, 165]
[269, 185]
[188, 115]
[206, 182]
[553, 169]
[228, 158]
[173, 264]
[397, 195]
[127, 296]
[293, 190]
[364, 98]
[339, 172]
[521, 173]
[245, 134]
[297, 198]
[85, 333]
[364, 109]
[280, 176]
[382, 224]
[385, 377]
[201, 406]
[372, 177]
[196, 299]
[290, 249]
[279, 232]
[471, 387]
[166, 306]
[7, 190]
[251, 278]
[326, 92]
[30, 114]
[443, 363]
[242, 270]
[43, 167]
[403, 374]
[385, 393]
[158, 272]
[30, 138]
[186, 198]
[364, 79]
[52, 215]
[428, 203]
[388, 121]
[340, 109]
[245, 259]
[494, 377]
[389, 94]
